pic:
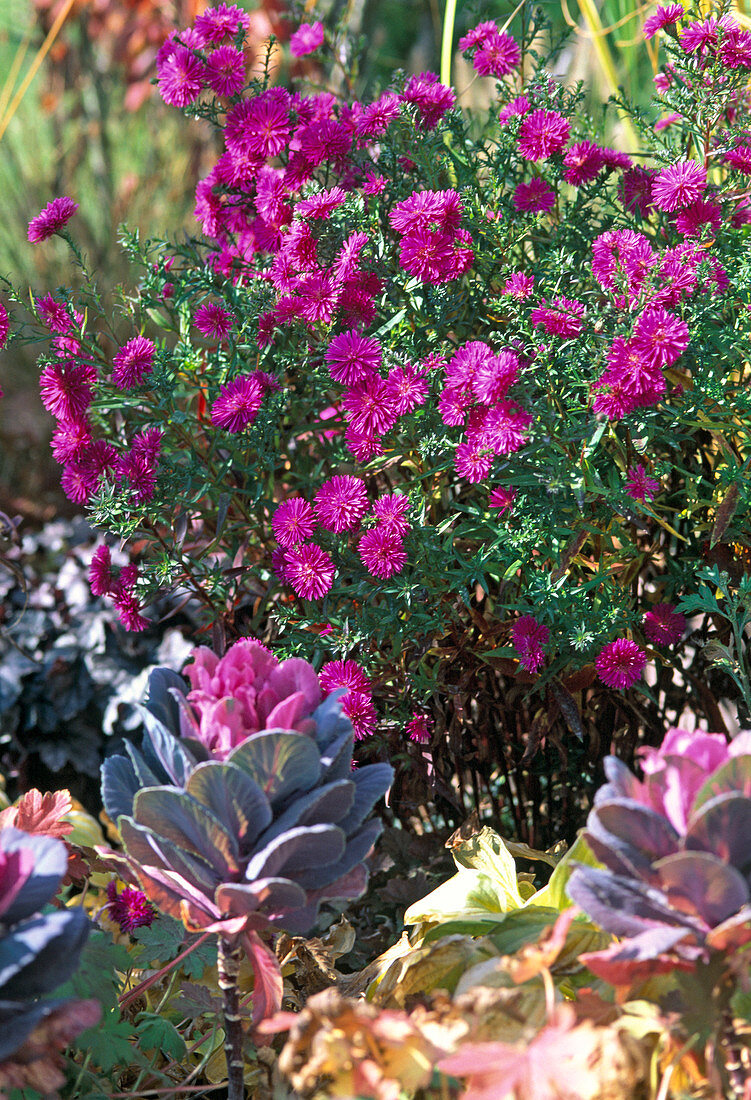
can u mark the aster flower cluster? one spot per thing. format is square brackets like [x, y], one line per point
[340, 505]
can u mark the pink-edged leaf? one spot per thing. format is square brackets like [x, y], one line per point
[638, 958]
[168, 891]
[267, 978]
[732, 933]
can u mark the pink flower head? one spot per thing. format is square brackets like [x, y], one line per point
[391, 513]
[213, 321]
[543, 133]
[639, 485]
[321, 205]
[55, 215]
[306, 39]
[535, 196]
[427, 209]
[739, 158]
[663, 625]
[246, 691]
[378, 116]
[528, 637]
[225, 71]
[660, 336]
[259, 126]
[293, 522]
[735, 48]
[344, 674]
[359, 708]
[182, 77]
[382, 552]
[71, 440]
[407, 388]
[679, 185]
[66, 389]
[636, 190]
[699, 215]
[222, 21]
[238, 404]
[431, 98]
[352, 357]
[4, 325]
[620, 663]
[583, 162]
[369, 407]
[497, 56]
[519, 285]
[518, 106]
[101, 580]
[133, 362]
[341, 502]
[473, 461]
[661, 18]
[129, 907]
[563, 317]
[129, 612]
[420, 728]
[478, 36]
[503, 499]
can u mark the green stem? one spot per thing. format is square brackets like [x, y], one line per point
[447, 41]
[229, 968]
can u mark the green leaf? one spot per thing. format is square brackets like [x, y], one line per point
[554, 894]
[468, 896]
[98, 974]
[156, 1033]
[111, 1046]
[161, 941]
[486, 852]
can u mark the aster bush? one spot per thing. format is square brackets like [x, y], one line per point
[462, 398]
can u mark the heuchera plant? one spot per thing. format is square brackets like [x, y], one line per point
[252, 818]
[419, 361]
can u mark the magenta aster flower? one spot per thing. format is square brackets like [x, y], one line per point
[528, 637]
[661, 18]
[518, 106]
[361, 712]
[223, 21]
[503, 499]
[620, 663]
[133, 362]
[369, 407]
[321, 205]
[498, 55]
[382, 552]
[71, 440]
[505, 428]
[101, 580]
[391, 513]
[306, 39]
[563, 317]
[583, 162]
[213, 321]
[182, 77]
[519, 285]
[640, 486]
[259, 126]
[427, 209]
[660, 336]
[293, 522]
[407, 387]
[4, 325]
[663, 625]
[344, 674]
[431, 98]
[679, 185]
[309, 570]
[225, 71]
[56, 315]
[420, 728]
[536, 196]
[55, 215]
[478, 36]
[352, 357]
[341, 502]
[695, 218]
[543, 133]
[238, 404]
[473, 461]
[378, 116]
[129, 612]
[129, 907]
[740, 158]
[636, 190]
[66, 389]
